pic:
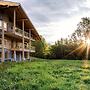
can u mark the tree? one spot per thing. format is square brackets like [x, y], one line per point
[41, 48]
[83, 30]
[82, 35]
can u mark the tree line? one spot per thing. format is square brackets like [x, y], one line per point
[73, 47]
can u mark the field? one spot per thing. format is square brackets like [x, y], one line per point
[45, 75]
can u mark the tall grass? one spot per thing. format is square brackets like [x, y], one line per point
[44, 75]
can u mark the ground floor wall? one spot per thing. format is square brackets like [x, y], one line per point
[14, 55]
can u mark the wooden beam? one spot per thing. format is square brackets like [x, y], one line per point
[23, 40]
[14, 21]
[14, 45]
[29, 43]
[28, 55]
[14, 55]
[3, 52]
[30, 39]
[22, 19]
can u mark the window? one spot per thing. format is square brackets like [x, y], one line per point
[5, 26]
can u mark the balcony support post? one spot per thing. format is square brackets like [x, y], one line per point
[14, 21]
[8, 54]
[23, 58]
[29, 43]
[29, 39]
[28, 57]
[14, 55]
[14, 46]
[3, 52]
[20, 56]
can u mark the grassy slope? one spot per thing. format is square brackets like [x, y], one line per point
[44, 75]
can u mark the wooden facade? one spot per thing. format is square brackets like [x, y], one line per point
[16, 32]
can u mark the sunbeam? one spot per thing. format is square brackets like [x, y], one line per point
[81, 48]
[86, 65]
[84, 46]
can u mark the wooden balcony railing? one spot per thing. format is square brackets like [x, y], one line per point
[19, 46]
[26, 34]
[19, 31]
[32, 49]
[5, 43]
[32, 39]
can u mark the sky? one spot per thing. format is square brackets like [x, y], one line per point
[55, 19]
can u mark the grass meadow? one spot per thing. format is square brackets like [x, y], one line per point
[45, 75]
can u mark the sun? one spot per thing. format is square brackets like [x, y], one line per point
[88, 41]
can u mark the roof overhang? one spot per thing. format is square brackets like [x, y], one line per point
[21, 15]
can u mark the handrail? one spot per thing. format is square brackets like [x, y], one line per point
[20, 31]
[32, 48]
[26, 34]
[32, 39]
[5, 42]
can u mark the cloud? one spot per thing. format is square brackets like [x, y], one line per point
[55, 30]
[56, 18]
[45, 11]
[17, 0]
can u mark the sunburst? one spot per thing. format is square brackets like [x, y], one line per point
[81, 48]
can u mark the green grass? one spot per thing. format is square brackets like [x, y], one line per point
[45, 75]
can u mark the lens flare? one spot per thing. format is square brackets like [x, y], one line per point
[84, 46]
[88, 41]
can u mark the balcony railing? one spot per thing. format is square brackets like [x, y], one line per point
[5, 43]
[32, 39]
[26, 34]
[32, 49]
[20, 32]
[19, 46]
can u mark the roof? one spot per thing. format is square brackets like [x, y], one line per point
[10, 6]
[8, 3]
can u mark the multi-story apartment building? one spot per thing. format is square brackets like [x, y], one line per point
[16, 32]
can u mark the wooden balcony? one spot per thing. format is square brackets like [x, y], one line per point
[18, 47]
[5, 43]
[26, 34]
[32, 49]
[32, 39]
[20, 33]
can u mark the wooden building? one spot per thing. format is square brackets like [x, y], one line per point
[16, 32]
